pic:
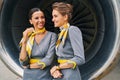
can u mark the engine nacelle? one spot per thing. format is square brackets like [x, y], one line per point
[97, 19]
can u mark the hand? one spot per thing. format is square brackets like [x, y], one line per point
[35, 65]
[28, 31]
[57, 74]
[54, 68]
[26, 34]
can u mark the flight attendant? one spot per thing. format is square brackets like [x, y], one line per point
[69, 46]
[37, 48]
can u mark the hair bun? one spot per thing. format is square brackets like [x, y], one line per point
[70, 7]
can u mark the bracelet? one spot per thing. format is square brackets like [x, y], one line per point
[28, 66]
[57, 67]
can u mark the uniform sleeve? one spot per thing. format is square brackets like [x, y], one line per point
[77, 45]
[25, 62]
[51, 51]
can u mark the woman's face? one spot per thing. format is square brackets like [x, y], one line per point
[38, 20]
[58, 19]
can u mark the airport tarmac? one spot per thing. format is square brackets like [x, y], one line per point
[6, 74]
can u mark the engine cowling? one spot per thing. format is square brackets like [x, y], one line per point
[97, 19]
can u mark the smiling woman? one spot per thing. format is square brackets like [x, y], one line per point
[37, 48]
[97, 19]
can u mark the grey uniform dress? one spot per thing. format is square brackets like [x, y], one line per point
[45, 52]
[72, 50]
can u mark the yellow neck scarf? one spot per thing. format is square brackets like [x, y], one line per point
[62, 36]
[31, 40]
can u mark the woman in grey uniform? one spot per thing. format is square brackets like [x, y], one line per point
[69, 46]
[37, 48]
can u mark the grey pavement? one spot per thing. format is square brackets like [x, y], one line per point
[114, 74]
[6, 74]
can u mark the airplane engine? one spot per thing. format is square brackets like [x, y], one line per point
[97, 19]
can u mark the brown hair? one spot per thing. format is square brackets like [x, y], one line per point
[63, 8]
[32, 11]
